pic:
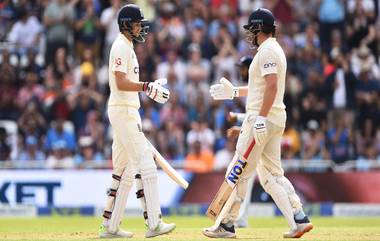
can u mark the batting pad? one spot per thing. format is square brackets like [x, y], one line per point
[120, 202]
[150, 183]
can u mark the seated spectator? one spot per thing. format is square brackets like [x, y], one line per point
[59, 71]
[223, 157]
[173, 63]
[362, 59]
[201, 132]
[32, 121]
[60, 156]
[199, 160]
[58, 135]
[94, 128]
[32, 151]
[313, 141]
[339, 139]
[81, 103]
[5, 147]
[171, 141]
[26, 32]
[32, 90]
[366, 94]
[87, 152]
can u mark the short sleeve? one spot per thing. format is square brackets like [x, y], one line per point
[268, 62]
[119, 59]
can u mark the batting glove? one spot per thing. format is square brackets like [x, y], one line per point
[224, 91]
[260, 130]
[156, 91]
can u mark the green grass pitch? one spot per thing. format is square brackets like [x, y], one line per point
[188, 228]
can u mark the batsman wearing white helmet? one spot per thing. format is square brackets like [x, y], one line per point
[259, 143]
[132, 156]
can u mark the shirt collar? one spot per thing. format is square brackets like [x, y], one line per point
[266, 41]
[126, 40]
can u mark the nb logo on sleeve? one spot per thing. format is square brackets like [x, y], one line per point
[269, 65]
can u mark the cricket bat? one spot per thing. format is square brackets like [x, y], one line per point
[168, 169]
[228, 185]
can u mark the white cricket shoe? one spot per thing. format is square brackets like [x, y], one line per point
[303, 226]
[104, 233]
[162, 228]
[221, 231]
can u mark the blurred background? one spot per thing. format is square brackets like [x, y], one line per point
[55, 138]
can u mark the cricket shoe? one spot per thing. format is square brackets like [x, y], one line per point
[221, 231]
[162, 228]
[104, 233]
[303, 226]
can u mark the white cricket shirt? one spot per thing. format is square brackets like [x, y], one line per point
[270, 59]
[123, 58]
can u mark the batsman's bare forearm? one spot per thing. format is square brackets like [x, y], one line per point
[125, 84]
[269, 94]
[243, 91]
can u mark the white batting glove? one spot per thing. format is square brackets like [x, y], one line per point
[260, 130]
[224, 91]
[157, 92]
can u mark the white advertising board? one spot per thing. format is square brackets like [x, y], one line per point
[71, 188]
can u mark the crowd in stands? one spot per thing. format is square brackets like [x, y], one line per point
[54, 78]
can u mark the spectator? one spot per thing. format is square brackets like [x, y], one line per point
[87, 26]
[31, 90]
[331, 16]
[60, 156]
[340, 139]
[199, 160]
[58, 18]
[5, 147]
[201, 132]
[87, 152]
[32, 151]
[361, 59]
[108, 20]
[172, 63]
[7, 14]
[58, 71]
[314, 143]
[31, 121]
[366, 94]
[60, 137]
[341, 82]
[224, 156]
[26, 32]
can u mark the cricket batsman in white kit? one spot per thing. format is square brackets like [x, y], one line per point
[259, 143]
[132, 156]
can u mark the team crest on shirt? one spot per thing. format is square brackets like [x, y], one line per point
[136, 70]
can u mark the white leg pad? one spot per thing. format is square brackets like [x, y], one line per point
[278, 193]
[111, 192]
[295, 201]
[141, 196]
[120, 201]
[150, 183]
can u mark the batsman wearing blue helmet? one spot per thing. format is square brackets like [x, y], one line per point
[132, 156]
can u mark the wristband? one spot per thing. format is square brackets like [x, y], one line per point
[145, 86]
